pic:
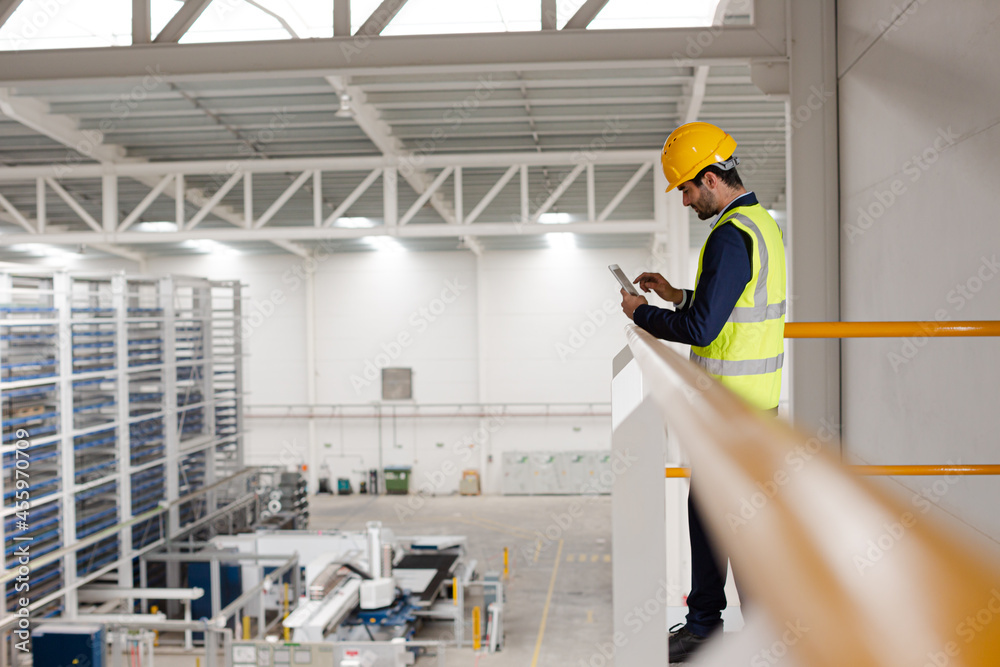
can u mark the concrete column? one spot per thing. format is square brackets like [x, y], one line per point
[813, 209]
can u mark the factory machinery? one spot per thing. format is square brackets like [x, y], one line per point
[125, 491]
[271, 598]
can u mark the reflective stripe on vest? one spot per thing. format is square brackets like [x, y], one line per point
[730, 367]
[771, 312]
[761, 311]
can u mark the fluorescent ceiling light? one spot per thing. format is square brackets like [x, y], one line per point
[561, 240]
[158, 226]
[555, 218]
[211, 247]
[385, 243]
[45, 250]
[354, 223]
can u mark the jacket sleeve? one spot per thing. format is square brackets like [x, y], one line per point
[726, 270]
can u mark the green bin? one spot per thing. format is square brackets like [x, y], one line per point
[397, 480]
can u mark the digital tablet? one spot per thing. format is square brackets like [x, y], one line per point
[622, 280]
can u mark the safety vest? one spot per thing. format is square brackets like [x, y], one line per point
[748, 353]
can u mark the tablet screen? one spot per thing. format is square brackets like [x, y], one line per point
[622, 280]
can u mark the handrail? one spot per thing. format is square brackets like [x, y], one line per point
[874, 581]
[890, 470]
[890, 329]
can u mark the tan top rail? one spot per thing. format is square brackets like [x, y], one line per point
[878, 582]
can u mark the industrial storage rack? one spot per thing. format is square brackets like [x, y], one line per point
[118, 393]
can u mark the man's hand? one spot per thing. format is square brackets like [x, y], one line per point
[630, 303]
[659, 284]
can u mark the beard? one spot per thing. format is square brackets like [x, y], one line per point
[708, 206]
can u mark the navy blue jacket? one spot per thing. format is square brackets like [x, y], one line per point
[725, 271]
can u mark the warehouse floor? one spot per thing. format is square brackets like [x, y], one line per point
[572, 559]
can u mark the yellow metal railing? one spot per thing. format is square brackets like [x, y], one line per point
[891, 470]
[876, 582]
[889, 329]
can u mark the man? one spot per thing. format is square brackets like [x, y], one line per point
[734, 321]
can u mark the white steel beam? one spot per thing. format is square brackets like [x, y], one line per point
[214, 201]
[317, 187]
[7, 9]
[182, 21]
[380, 134]
[624, 192]
[550, 14]
[144, 204]
[473, 244]
[137, 257]
[109, 202]
[696, 95]
[141, 24]
[587, 13]
[283, 199]
[459, 196]
[353, 197]
[35, 114]
[422, 199]
[40, 204]
[491, 195]
[73, 204]
[138, 170]
[16, 215]
[311, 233]
[558, 192]
[390, 197]
[247, 199]
[380, 18]
[525, 200]
[293, 248]
[411, 54]
[341, 18]
[591, 192]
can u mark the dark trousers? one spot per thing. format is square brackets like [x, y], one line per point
[708, 571]
[708, 576]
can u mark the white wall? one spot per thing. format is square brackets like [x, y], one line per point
[513, 327]
[919, 139]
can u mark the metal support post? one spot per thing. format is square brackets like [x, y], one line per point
[390, 196]
[120, 304]
[62, 302]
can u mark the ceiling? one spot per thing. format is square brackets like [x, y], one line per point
[467, 113]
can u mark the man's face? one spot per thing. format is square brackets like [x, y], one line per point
[705, 202]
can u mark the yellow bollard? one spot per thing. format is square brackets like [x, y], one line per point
[197, 661]
[506, 563]
[476, 629]
[246, 627]
[288, 633]
[156, 633]
[454, 590]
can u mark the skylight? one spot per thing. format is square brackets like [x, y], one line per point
[55, 24]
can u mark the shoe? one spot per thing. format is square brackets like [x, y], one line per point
[683, 643]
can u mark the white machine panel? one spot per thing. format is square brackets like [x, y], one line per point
[555, 473]
[265, 654]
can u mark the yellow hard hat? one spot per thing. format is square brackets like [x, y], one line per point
[692, 147]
